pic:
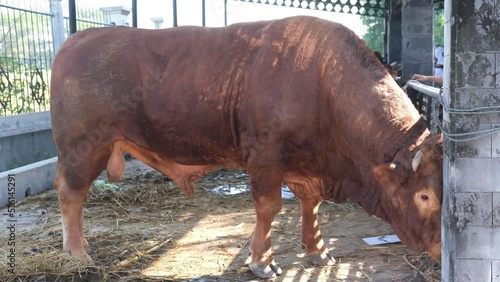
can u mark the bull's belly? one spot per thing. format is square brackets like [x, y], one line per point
[189, 150]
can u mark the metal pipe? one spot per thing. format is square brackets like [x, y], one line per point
[225, 12]
[203, 23]
[427, 90]
[134, 13]
[175, 13]
[72, 16]
[92, 22]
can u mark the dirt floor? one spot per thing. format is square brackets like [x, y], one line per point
[149, 231]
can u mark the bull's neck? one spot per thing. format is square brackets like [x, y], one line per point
[399, 149]
[365, 191]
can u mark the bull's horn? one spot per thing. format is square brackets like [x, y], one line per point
[416, 160]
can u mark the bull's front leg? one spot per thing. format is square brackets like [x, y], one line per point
[263, 264]
[312, 240]
[266, 193]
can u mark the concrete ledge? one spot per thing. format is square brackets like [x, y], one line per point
[24, 123]
[25, 139]
[30, 179]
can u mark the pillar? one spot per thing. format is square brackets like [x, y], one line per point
[118, 15]
[471, 196]
[158, 22]
[394, 37]
[417, 33]
[57, 22]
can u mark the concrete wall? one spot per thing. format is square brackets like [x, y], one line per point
[471, 200]
[417, 32]
[25, 139]
[394, 36]
[27, 152]
[30, 179]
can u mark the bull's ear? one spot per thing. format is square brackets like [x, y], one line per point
[390, 173]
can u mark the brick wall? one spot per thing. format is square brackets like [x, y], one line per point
[471, 200]
[417, 32]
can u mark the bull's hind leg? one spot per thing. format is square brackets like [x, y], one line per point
[71, 199]
[266, 181]
[72, 184]
[312, 240]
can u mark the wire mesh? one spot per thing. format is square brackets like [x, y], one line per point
[27, 51]
[86, 17]
[25, 56]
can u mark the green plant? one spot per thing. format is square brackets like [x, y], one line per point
[23, 87]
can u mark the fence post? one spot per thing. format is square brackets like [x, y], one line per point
[57, 21]
[117, 15]
[134, 13]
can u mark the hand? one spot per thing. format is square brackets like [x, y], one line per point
[419, 77]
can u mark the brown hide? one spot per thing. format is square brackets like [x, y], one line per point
[300, 95]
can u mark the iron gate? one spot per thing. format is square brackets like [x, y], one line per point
[30, 34]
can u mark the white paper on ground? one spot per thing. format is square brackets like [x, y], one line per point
[380, 240]
[286, 193]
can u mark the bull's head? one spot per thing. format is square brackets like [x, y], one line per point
[412, 196]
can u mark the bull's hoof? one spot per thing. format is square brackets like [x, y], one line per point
[81, 256]
[323, 259]
[85, 244]
[266, 271]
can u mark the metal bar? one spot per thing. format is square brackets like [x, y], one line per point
[92, 22]
[225, 12]
[44, 66]
[4, 102]
[32, 99]
[203, 23]
[24, 10]
[428, 112]
[72, 16]
[175, 13]
[134, 13]
[420, 102]
[15, 101]
[427, 90]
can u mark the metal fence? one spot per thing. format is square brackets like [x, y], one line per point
[424, 98]
[31, 32]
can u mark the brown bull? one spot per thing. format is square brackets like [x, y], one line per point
[299, 100]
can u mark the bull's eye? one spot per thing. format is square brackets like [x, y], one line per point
[424, 197]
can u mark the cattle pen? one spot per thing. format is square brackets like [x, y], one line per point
[145, 229]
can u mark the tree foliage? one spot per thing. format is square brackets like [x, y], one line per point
[439, 27]
[374, 36]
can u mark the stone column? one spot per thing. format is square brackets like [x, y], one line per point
[118, 15]
[471, 196]
[57, 23]
[417, 32]
[158, 22]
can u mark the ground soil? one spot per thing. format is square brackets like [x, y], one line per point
[149, 231]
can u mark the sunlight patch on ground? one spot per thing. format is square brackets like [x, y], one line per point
[343, 271]
[223, 242]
